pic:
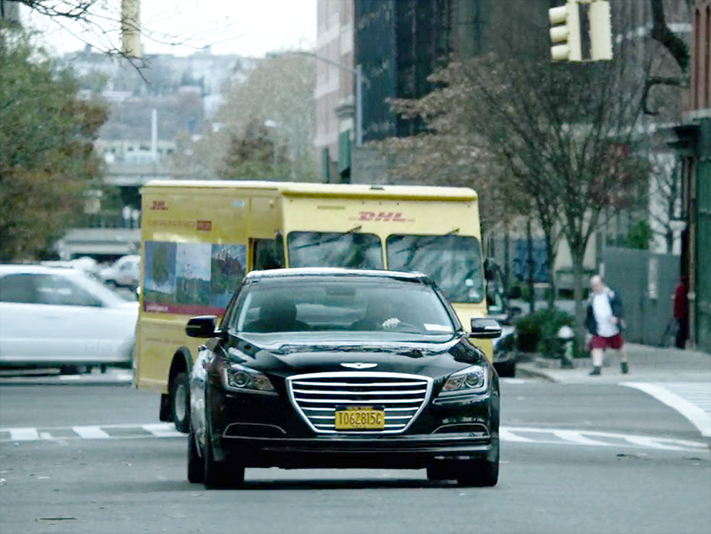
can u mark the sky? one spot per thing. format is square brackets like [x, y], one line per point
[246, 27]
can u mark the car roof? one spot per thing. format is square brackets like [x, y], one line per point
[335, 271]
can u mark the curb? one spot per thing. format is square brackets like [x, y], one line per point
[55, 382]
[532, 372]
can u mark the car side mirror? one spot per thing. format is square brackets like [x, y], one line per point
[485, 328]
[202, 326]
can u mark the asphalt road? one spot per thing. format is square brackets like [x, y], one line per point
[575, 459]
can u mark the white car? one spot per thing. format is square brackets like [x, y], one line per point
[51, 316]
[124, 272]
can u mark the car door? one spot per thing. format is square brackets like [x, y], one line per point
[75, 324]
[19, 333]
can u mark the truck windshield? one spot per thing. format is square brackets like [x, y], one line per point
[334, 249]
[452, 261]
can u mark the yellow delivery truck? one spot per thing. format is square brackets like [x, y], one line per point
[199, 238]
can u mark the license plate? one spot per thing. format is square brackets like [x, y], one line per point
[360, 418]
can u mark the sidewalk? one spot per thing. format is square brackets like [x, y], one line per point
[52, 377]
[647, 364]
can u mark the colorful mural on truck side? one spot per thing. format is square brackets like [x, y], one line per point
[191, 278]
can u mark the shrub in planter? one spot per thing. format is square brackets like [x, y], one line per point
[528, 331]
[549, 344]
[538, 331]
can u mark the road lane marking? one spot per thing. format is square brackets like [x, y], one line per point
[698, 417]
[91, 432]
[23, 434]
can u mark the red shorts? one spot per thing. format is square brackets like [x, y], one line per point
[615, 342]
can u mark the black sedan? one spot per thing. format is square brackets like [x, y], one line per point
[342, 368]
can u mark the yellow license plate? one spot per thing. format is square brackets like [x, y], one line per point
[360, 419]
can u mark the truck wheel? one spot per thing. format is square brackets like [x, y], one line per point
[180, 402]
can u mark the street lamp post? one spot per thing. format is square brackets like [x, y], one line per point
[358, 73]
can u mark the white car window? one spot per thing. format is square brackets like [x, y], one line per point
[57, 290]
[17, 288]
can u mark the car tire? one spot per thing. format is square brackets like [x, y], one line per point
[508, 370]
[180, 402]
[480, 473]
[220, 475]
[196, 466]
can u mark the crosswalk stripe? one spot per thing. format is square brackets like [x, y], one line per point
[699, 417]
[523, 435]
[23, 434]
[162, 430]
[507, 435]
[90, 432]
[577, 437]
[651, 443]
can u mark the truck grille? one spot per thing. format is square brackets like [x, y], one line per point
[316, 396]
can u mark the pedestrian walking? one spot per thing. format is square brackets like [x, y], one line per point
[681, 312]
[605, 321]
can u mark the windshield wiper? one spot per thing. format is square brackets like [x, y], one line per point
[426, 241]
[328, 239]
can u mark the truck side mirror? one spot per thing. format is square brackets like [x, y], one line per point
[485, 328]
[279, 249]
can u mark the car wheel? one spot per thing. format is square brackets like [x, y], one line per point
[480, 473]
[219, 475]
[180, 402]
[508, 370]
[196, 467]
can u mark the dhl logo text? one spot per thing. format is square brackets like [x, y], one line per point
[385, 216]
[159, 205]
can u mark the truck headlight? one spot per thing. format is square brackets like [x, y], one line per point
[471, 380]
[236, 377]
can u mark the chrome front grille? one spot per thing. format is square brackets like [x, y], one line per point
[316, 397]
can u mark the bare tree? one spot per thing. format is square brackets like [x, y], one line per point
[677, 48]
[99, 24]
[561, 133]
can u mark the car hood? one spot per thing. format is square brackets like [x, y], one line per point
[285, 358]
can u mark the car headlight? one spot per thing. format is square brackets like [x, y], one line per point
[236, 377]
[471, 380]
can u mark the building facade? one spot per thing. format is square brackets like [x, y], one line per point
[695, 140]
[334, 93]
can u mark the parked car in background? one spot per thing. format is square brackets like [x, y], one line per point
[62, 317]
[125, 272]
[342, 368]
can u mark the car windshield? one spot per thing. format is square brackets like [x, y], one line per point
[334, 249]
[452, 261]
[342, 304]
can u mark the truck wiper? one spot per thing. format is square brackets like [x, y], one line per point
[328, 239]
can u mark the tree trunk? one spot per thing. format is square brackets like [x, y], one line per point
[530, 264]
[578, 257]
[507, 262]
[670, 241]
[551, 273]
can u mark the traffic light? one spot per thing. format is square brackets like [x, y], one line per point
[600, 30]
[565, 29]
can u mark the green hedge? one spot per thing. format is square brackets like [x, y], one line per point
[538, 331]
